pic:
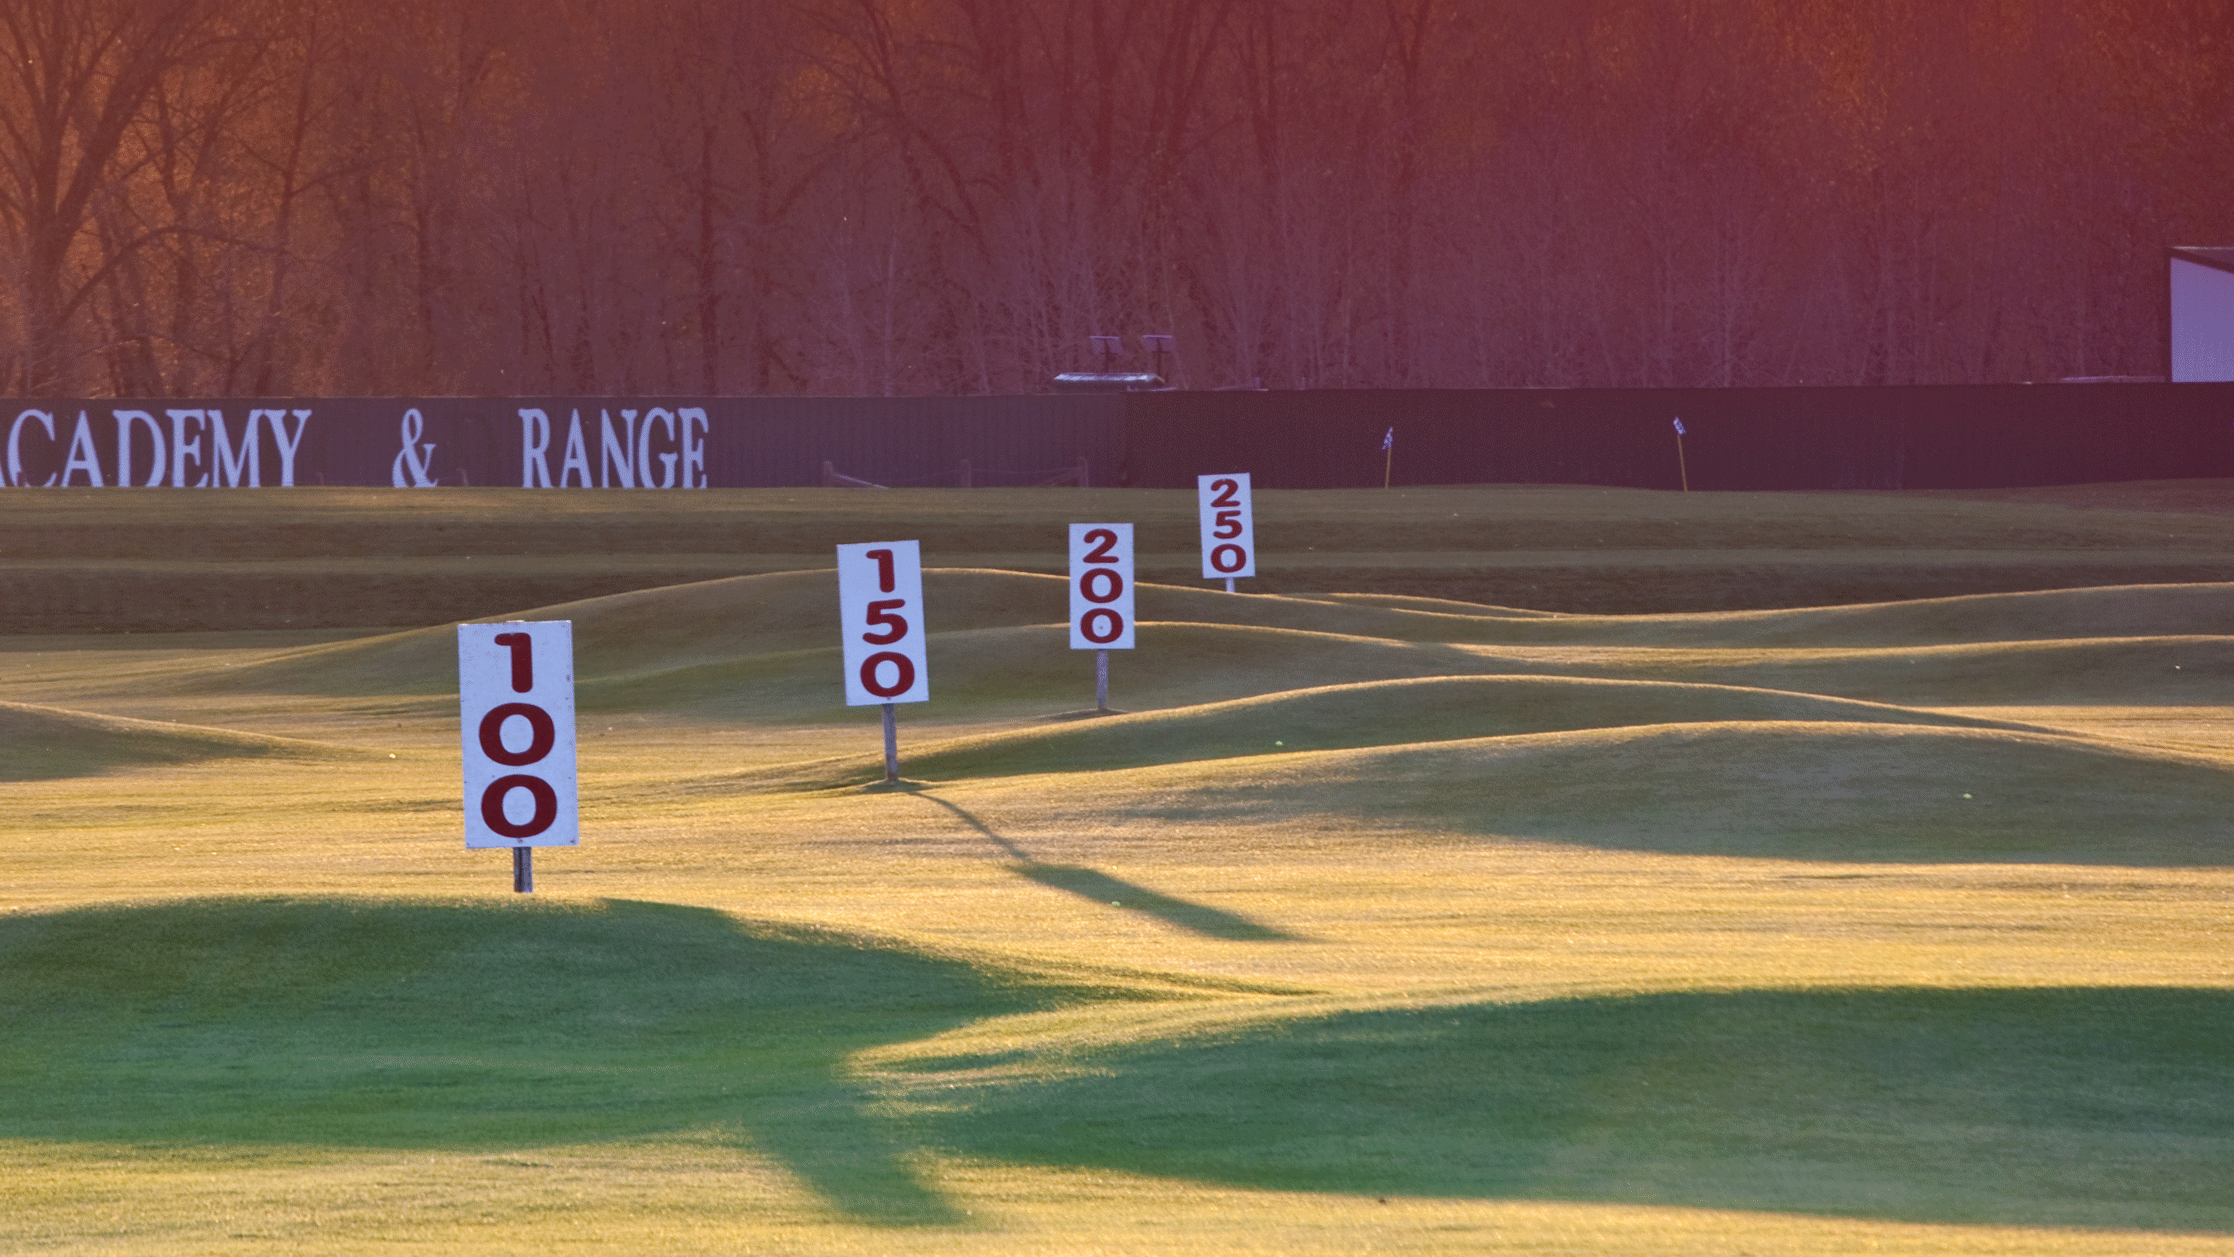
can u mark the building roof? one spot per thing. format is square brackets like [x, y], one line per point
[2218, 257]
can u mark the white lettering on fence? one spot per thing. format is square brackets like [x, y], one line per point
[577, 458]
[695, 428]
[610, 451]
[535, 448]
[126, 420]
[287, 444]
[652, 449]
[15, 443]
[182, 446]
[237, 466]
[82, 457]
[196, 451]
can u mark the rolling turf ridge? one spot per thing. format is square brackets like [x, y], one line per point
[1374, 921]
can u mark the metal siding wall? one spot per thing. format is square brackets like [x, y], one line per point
[2202, 316]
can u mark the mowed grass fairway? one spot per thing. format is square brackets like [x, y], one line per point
[1778, 913]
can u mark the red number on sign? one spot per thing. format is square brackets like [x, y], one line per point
[541, 734]
[885, 579]
[903, 674]
[1105, 540]
[522, 647]
[1101, 625]
[492, 805]
[880, 614]
[1111, 585]
[1226, 489]
[1228, 525]
[1228, 558]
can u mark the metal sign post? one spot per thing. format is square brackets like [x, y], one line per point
[1101, 596]
[1229, 533]
[880, 619]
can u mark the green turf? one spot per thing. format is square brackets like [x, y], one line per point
[2054, 1106]
[47, 742]
[757, 648]
[327, 1022]
[1695, 922]
[334, 1022]
[1433, 709]
[1764, 789]
[107, 561]
[470, 1026]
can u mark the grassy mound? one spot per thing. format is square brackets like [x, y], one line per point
[674, 626]
[763, 647]
[2055, 1106]
[1367, 714]
[645, 632]
[38, 743]
[1784, 790]
[1031, 671]
[2112, 611]
[2058, 614]
[91, 560]
[430, 1025]
[2119, 670]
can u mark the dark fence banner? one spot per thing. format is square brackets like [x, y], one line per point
[558, 443]
[1922, 437]
[1912, 437]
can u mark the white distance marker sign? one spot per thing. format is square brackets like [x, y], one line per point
[1229, 533]
[1101, 586]
[880, 614]
[516, 713]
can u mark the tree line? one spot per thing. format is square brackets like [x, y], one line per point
[417, 197]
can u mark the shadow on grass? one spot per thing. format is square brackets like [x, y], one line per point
[336, 1022]
[1195, 918]
[1101, 888]
[2077, 1107]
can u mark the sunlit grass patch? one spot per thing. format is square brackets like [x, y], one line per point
[38, 741]
[1366, 714]
[1786, 790]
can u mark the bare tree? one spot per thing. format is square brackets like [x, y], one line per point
[79, 75]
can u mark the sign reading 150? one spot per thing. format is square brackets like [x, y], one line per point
[880, 609]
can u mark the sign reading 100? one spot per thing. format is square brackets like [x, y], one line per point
[516, 726]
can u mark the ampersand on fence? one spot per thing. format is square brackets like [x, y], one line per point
[414, 458]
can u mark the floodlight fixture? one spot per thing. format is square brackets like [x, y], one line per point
[1158, 345]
